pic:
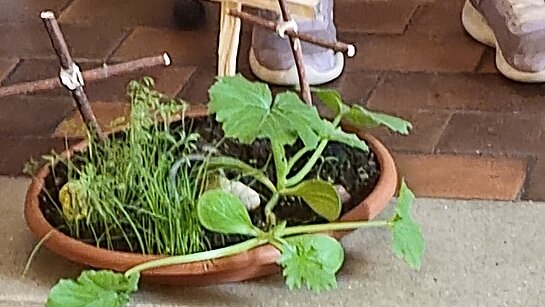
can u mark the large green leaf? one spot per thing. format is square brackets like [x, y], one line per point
[360, 116]
[319, 195]
[242, 106]
[337, 134]
[94, 288]
[312, 260]
[291, 114]
[332, 100]
[223, 212]
[247, 113]
[407, 240]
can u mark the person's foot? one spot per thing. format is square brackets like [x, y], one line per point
[271, 57]
[516, 28]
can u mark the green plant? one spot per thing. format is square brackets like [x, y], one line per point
[137, 191]
[247, 112]
[309, 258]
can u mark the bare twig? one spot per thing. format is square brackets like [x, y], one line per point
[297, 54]
[337, 46]
[96, 74]
[74, 78]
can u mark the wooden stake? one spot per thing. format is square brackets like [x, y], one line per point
[349, 49]
[72, 71]
[96, 74]
[229, 39]
[297, 54]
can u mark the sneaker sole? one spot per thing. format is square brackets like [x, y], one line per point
[475, 24]
[289, 77]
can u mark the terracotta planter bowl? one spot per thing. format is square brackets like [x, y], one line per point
[254, 263]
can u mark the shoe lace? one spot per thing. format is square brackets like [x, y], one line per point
[526, 15]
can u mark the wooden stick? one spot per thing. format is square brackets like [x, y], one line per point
[297, 54]
[229, 39]
[67, 64]
[349, 49]
[96, 74]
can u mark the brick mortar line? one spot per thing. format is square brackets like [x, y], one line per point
[11, 71]
[126, 35]
[190, 82]
[487, 153]
[412, 17]
[65, 7]
[530, 168]
[489, 112]
[524, 157]
[480, 63]
[193, 71]
[443, 129]
[380, 80]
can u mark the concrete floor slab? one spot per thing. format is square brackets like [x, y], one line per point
[478, 253]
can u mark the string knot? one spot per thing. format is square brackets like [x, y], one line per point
[71, 77]
[284, 26]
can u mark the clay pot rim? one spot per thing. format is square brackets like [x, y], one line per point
[93, 256]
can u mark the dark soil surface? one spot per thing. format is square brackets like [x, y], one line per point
[355, 170]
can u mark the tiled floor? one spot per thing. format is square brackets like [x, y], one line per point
[477, 135]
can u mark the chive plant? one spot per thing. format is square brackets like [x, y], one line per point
[137, 190]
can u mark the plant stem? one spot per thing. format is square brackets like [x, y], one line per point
[280, 164]
[297, 156]
[334, 227]
[208, 255]
[308, 166]
[269, 215]
[35, 251]
[315, 156]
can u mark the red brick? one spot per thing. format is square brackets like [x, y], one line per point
[118, 13]
[28, 11]
[476, 92]
[27, 148]
[355, 87]
[196, 90]
[427, 129]
[7, 144]
[440, 18]
[414, 52]
[126, 14]
[32, 41]
[185, 47]
[536, 183]
[32, 115]
[491, 133]
[466, 177]
[168, 80]
[388, 17]
[109, 115]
